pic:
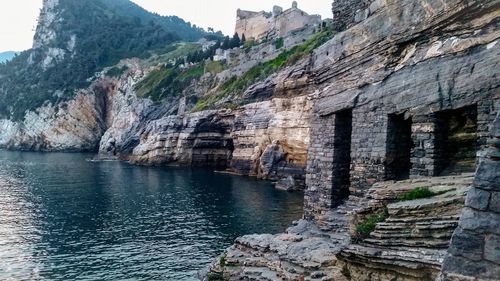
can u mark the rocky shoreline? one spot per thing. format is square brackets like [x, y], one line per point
[402, 100]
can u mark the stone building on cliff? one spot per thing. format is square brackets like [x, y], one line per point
[405, 97]
[278, 23]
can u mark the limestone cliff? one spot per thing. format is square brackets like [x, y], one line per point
[383, 125]
[76, 125]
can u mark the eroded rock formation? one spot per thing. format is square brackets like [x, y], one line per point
[408, 90]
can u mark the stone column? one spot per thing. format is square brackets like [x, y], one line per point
[319, 173]
[474, 252]
[423, 155]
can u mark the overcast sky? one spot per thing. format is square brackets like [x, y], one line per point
[18, 17]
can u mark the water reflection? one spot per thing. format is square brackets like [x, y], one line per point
[62, 217]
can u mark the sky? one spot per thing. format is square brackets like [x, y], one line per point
[18, 17]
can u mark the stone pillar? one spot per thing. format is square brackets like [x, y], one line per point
[474, 252]
[423, 155]
[319, 173]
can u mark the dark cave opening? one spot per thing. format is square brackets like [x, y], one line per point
[341, 157]
[399, 144]
[456, 141]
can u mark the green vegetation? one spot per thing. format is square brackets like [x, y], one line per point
[419, 193]
[167, 81]
[175, 51]
[214, 67]
[259, 72]
[367, 226]
[106, 31]
[279, 43]
[222, 261]
[216, 276]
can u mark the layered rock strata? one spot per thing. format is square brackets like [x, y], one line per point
[418, 62]
[409, 245]
[397, 95]
[474, 252]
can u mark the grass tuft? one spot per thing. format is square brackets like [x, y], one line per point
[417, 193]
[364, 228]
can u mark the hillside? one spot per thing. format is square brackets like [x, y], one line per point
[74, 40]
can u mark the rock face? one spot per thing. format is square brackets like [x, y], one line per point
[266, 139]
[271, 139]
[409, 245]
[408, 91]
[411, 242]
[474, 251]
[349, 12]
[198, 139]
[76, 125]
[394, 84]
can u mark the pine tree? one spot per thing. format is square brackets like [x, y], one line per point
[227, 43]
[235, 41]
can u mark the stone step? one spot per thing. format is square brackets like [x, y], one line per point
[455, 217]
[408, 263]
[417, 232]
[425, 242]
[408, 227]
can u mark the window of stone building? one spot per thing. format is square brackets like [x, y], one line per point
[341, 157]
[456, 141]
[399, 144]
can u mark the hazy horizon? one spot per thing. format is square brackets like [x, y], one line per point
[18, 19]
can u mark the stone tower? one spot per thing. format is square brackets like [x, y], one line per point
[277, 10]
[294, 5]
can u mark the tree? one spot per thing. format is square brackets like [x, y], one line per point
[243, 39]
[226, 44]
[235, 41]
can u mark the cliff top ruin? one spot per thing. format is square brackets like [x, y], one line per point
[277, 23]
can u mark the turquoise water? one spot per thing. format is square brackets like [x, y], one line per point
[65, 218]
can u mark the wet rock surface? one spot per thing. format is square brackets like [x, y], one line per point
[409, 245]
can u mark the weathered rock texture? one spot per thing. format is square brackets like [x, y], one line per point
[411, 242]
[399, 77]
[346, 13]
[408, 91]
[76, 125]
[279, 23]
[271, 139]
[266, 139]
[409, 245]
[474, 253]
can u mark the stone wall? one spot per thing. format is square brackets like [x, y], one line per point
[253, 25]
[263, 25]
[420, 66]
[474, 252]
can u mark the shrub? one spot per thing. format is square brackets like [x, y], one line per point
[417, 193]
[167, 81]
[214, 67]
[367, 226]
[279, 43]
